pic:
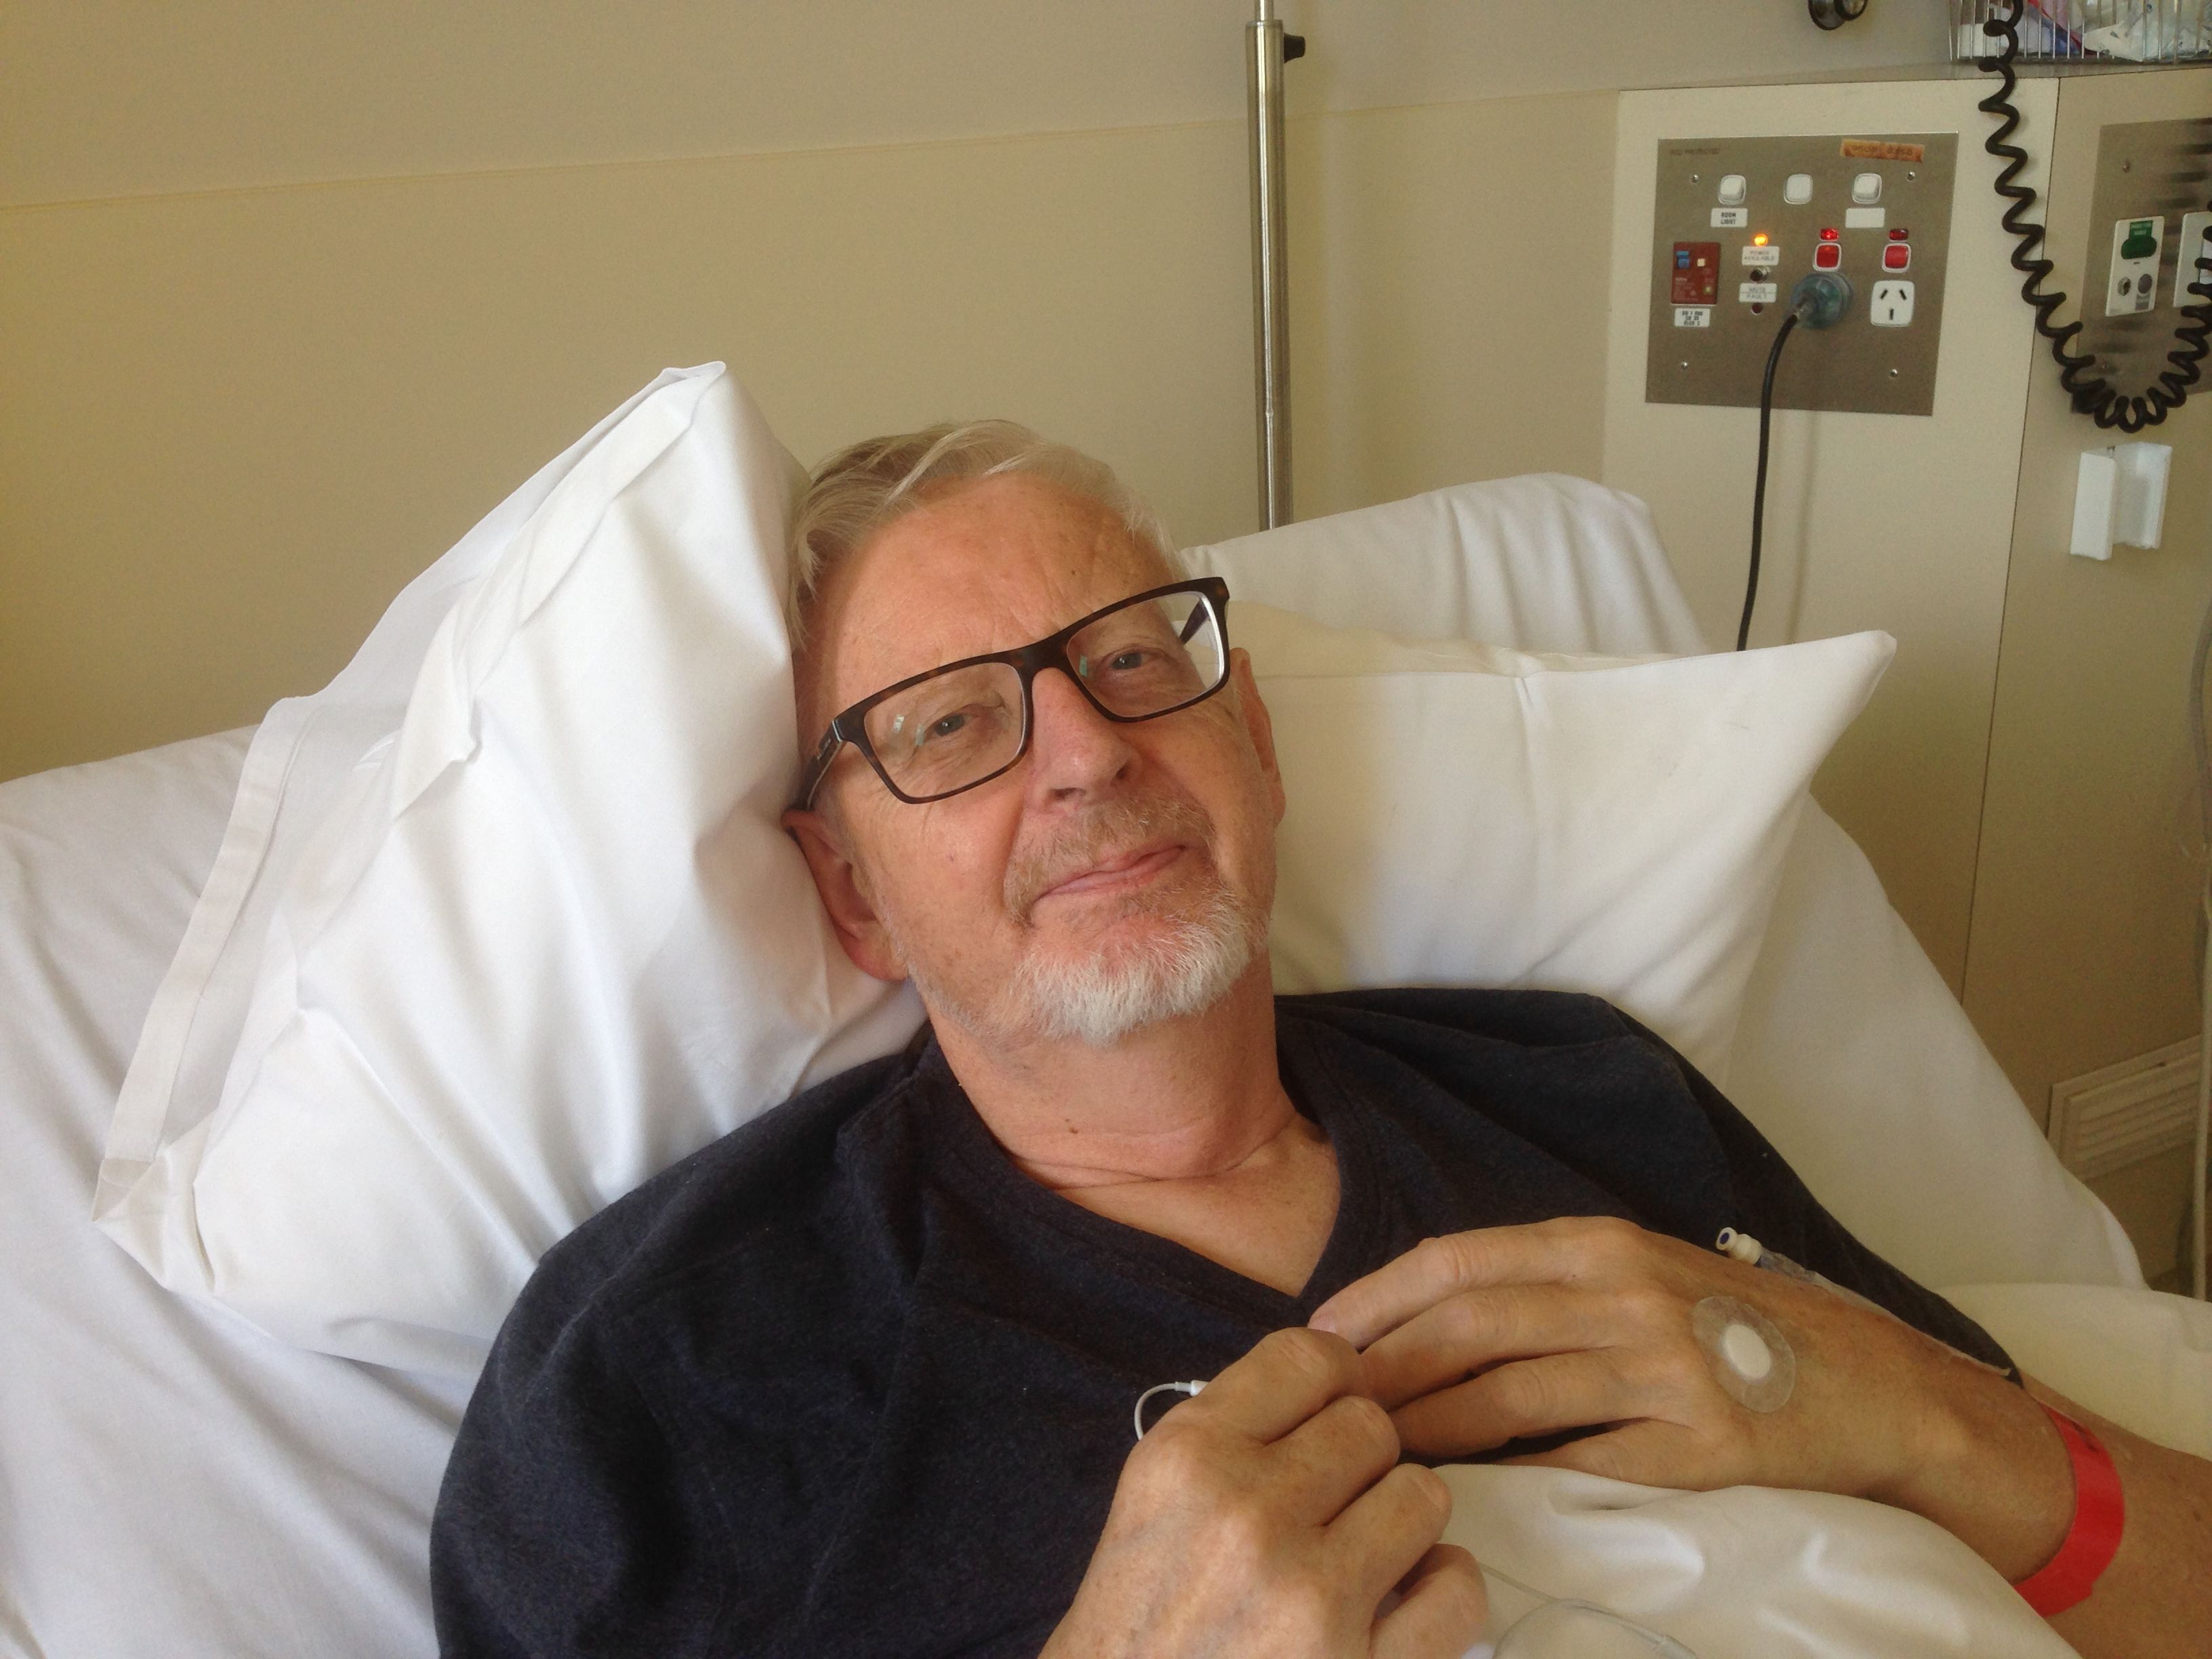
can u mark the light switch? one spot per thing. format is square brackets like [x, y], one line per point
[1798, 188]
[1734, 190]
[1866, 189]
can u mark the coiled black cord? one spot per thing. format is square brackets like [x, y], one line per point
[2091, 394]
[1758, 487]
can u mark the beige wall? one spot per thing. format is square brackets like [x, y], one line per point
[236, 423]
[1891, 522]
[2022, 779]
[290, 294]
[2083, 950]
[107, 98]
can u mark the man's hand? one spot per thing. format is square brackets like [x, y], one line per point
[1270, 1515]
[1512, 1332]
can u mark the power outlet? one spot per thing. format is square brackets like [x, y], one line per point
[2133, 285]
[2196, 243]
[1891, 305]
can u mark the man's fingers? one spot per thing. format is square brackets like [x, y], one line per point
[1287, 1377]
[1646, 1454]
[1548, 1252]
[1387, 1531]
[1463, 1334]
[1526, 1398]
[1445, 1605]
[1328, 1461]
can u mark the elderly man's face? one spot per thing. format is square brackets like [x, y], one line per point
[1114, 859]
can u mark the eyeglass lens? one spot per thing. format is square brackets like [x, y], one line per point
[959, 726]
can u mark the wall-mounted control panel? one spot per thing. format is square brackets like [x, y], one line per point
[1737, 222]
[2147, 221]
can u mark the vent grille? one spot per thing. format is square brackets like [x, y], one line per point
[2126, 1113]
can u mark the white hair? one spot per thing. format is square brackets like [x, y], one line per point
[860, 489]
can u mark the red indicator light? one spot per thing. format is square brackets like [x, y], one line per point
[1900, 234]
[1829, 234]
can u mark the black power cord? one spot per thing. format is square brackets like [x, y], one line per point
[1819, 299]
[2091, 394]
[1758, 488]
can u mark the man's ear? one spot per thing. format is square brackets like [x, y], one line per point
[1258, 724]
[844, 895]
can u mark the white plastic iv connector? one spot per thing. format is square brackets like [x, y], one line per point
[1192, 1387]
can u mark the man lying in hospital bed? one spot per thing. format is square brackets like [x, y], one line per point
[856, 1378]
[446, 994]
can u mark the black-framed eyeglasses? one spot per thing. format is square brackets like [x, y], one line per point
[937, 734]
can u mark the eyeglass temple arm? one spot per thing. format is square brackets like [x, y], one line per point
[811, 780]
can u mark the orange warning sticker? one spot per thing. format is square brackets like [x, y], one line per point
[1880, 149]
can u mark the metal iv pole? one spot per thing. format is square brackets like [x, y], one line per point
[1266, 50]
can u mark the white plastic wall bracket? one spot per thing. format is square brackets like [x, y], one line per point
[2096, 499]
[2120, 496]
[2141, 514]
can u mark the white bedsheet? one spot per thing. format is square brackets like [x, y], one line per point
[1746, 1573]
[173, 1484]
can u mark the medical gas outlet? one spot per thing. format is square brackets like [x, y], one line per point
[2133, 284]
[1739, 221]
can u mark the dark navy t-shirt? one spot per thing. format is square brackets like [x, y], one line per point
[847, 1383]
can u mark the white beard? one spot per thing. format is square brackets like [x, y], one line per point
[1099, 1000]
[1192, 947]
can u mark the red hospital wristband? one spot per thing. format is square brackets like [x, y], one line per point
[2091, 1542]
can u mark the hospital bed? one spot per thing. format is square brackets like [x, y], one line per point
[177, 1481]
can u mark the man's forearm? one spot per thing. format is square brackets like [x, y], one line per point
[2155, 1598]
[1998, 1477]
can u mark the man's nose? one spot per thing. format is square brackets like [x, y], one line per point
[1073, 748]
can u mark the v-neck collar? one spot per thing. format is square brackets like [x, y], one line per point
[968, 1154]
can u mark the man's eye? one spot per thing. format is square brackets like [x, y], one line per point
[942, 727]
[1124, 662]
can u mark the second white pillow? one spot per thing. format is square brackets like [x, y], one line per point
[1462, 814]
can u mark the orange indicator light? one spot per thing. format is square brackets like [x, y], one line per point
[1759, 240]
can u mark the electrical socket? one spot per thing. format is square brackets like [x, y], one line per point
[2195, 239]
[1891, 305]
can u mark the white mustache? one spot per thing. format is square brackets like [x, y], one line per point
[1101, 834]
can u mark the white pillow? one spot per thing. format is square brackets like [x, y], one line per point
[1463, 814]
[550, 937]
[303, 753]
[547, 941]
[1855, 1060]
[1543, 561]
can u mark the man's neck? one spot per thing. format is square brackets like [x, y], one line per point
[1184, 1100]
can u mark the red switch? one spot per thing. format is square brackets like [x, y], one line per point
[1827, 256]
[1898, 256]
